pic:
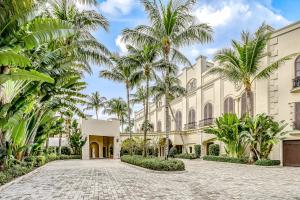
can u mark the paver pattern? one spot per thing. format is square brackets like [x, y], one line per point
[111, 179]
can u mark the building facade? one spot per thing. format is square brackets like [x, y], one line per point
[209, 96]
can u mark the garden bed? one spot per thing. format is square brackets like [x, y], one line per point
[20, 168]
[186, 156]
[154, 163]
[265, 162]
[226, 159]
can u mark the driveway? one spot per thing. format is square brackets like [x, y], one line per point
[111, 179]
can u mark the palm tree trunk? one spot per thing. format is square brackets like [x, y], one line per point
[248, 101]
[166, 59]
[146, 118]
[34, 131]
[97, 114]
[129, 118]
[59, 143]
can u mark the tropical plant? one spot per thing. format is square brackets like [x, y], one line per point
[263, 132]
[145, 59]
[95, 101]
[126, 73]
[117, 107]
[76, 139]
[171, 26]
[242, 64]
[229, 130]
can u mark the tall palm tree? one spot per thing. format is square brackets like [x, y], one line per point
[241, 64]
[139, 97]
[145, 59]
[95, 101]
[125, 73]
[171, 26]
[117, 107]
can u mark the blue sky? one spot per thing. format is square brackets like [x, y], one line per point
[227, 17]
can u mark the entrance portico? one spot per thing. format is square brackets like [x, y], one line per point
[102, 139]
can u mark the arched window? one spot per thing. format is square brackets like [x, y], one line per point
[169, 123]
[192, 85]
[244, 104]
[178, 122]
[297, 67]
[158, 128]
[229, 105]
[208, 111]
[192, 116]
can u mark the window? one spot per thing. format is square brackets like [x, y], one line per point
[192, 85]
[191, 149]
[297, 115]
[158, 128]
[297, 67]
[178, 122]
[229, 105]
[244, 104]
[169, 124]
[208, 111]
[192, 116]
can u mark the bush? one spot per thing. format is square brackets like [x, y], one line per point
[30, 160]
[51, 150]
[186, 156]
[51, 157]
[214, 150]
[265, 162]
[154, 163]
[66, 150]
[197, 150]
[40, 160]
[172, 152]
[226, 159]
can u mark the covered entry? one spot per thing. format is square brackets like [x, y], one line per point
[291, 153]
[101, 147]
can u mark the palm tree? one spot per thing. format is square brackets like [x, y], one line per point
[139, 97]
[118, 107]
[145, 59]
[95, 101]
[125, 73]
[241, 64]
[171, 26]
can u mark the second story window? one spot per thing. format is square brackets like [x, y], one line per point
[229, 105]
[297, 115]
[208, 111]
[158, 126]
[296, 81]
[178, 122]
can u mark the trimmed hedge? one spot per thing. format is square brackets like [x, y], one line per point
[198, 150]
[154, 163]
[186, 156]
[226, 159]
[214, 150]
[20, 168]
[266, 162]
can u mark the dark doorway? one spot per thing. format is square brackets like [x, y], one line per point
[291, 153]
[104, 152]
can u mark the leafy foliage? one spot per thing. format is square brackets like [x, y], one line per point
[214, 150]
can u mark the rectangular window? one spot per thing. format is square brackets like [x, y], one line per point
[297, 115]
[191, 149]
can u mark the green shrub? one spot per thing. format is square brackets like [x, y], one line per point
[154, 163]
[172, 152]
[265, 162]
[51, 150]
[5, 177]
[198, 150]
[214, 150]
[31, 160]
[226, 159]
[51, 157]
[66, 150]
[40, 160]
[186, 156]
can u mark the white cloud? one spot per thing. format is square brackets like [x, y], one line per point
[121, 45]
[237, 13]
[117, 7]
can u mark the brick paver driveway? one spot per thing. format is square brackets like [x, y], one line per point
[111, 179]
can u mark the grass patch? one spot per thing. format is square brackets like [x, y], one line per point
[154, 163]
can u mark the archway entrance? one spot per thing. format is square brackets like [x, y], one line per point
[94, 150]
